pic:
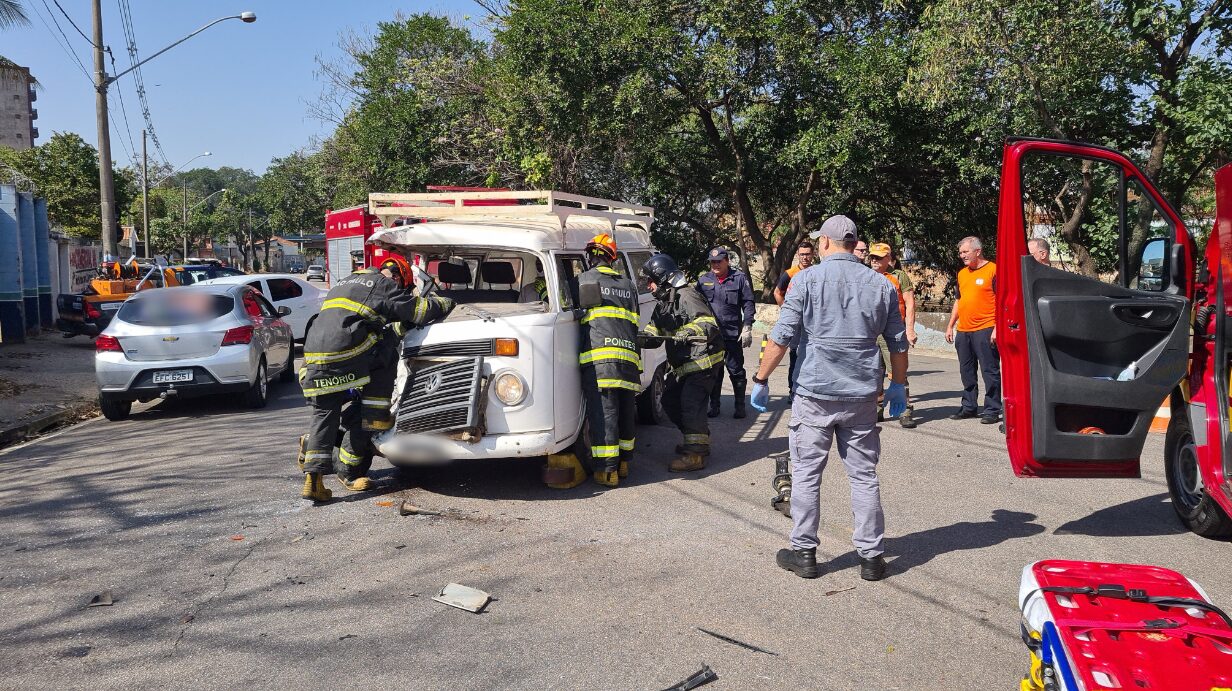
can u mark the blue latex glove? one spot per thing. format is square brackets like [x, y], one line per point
[895, 400]
[759, 398]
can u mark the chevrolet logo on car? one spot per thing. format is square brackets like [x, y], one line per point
[171, 338]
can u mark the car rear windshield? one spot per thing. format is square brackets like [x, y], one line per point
[167, 308]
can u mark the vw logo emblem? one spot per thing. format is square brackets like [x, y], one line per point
[433, 383]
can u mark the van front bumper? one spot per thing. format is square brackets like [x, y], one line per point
[420, 449]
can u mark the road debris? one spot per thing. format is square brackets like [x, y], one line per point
[463, 597]
[840, 590]
[298, 538]
[103, 599]
[409, 509]
[384, 502]
[701, 677]
[733, 641]
[237, 538]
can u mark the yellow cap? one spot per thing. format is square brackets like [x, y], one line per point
[879, 249]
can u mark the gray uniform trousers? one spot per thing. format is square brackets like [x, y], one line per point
[815, 423]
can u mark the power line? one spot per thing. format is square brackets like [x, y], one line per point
[130, 35]
[65, 46]
[70, 21]
[128, 129]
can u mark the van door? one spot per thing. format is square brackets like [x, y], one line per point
[1091, 345]
[568, 404]
[652, 358]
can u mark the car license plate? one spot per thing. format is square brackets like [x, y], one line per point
[173, 376]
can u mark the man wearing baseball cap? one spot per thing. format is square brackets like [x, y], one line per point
[881, 259]
[730, 294]
[837, 308]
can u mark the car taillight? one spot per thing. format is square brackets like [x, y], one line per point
[92, 311]
[240, 335]
[107, 344]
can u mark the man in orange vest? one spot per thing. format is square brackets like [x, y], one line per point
[804, 259]
[974, 316]
[881, 259]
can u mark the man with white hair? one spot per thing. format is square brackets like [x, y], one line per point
[972, 331]
[1040, 249]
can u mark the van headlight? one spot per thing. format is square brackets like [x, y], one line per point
[509, 386]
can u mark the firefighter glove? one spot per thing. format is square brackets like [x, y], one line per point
[746, 337]
[759, 399]
[895, 400]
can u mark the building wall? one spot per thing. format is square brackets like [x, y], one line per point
[17, 113]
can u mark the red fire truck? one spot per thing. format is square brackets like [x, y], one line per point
[347, 232]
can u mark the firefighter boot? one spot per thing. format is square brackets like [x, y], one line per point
[622, 470]
[359, 484]
[699, 450]
[607, 478]
[738, 389]
[688, 462]
[303, 446]
[782, 485]
[563, 471]
[314, 488]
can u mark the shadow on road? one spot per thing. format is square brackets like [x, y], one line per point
[1148, 516]
[917, 549]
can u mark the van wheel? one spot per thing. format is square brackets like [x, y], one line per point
[650, 402]
[258, 394]
[115, 410]
[287, 375]
[1193, 505]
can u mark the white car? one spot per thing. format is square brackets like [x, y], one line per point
[192, 341]
[499, 377]
[283, 290]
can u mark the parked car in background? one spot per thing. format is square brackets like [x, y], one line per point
[316, 272]
[189, 274]
[192, 341]
[283, 290]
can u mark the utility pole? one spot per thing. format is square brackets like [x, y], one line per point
[145, 194]
[106, 186]
[185, 222]
[251, 250]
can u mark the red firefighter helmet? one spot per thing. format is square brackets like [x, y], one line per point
[400, 267]
[603, 244]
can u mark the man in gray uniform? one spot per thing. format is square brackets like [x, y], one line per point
[838, 308]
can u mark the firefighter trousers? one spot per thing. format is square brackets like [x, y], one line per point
[337, 442]
[613, 425]
[377, 394]
[686, 402]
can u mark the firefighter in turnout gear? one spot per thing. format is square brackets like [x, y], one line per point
[611, 366]
[683, 320]
[350, 359]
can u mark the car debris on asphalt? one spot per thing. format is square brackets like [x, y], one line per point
[103, 599]
[463, 597]
[733, 641]
[409, 509]
[701, 677]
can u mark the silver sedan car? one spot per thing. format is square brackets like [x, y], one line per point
[192, 341]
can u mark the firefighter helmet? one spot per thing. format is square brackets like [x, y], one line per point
[400, 267]
[662, 270]
[603, 245]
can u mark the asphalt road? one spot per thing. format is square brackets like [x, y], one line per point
[222, 577]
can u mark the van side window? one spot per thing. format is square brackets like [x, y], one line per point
[636, 261]
[568, 268]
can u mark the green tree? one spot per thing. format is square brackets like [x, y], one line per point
[11, 14]
[65, 171]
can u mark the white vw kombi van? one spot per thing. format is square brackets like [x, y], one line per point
[499, 378]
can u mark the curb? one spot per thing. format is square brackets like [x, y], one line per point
[20, 432]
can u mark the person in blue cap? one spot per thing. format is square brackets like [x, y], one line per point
[730, 293]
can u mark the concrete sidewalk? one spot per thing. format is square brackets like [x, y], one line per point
[45, 382]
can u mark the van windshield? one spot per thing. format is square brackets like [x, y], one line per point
[476, 275]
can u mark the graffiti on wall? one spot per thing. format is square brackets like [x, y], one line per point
[83, 262]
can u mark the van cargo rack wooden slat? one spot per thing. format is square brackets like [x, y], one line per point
[528, 205]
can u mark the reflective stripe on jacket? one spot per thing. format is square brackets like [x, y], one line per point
[686, 313]
[338, 348]
[609, 331]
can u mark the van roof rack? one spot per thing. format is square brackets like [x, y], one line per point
[506, 205]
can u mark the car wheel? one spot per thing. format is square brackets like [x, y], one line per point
[258, 394]
[1192, 503]
[115, 410]
[650, 402]
[287, 375]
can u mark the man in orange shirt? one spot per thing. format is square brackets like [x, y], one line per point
[974, 316]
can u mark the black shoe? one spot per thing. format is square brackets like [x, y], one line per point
[739, 414]
[963, 415]
[990, 419]
[906, 420]
[802, 562]
[713, 412]
[872, 569]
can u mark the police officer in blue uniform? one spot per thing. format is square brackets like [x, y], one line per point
[730, 293]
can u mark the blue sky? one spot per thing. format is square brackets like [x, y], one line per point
[240, 91]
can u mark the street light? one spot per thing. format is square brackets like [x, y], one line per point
[101, 83]
[194, 207]
[145, 189]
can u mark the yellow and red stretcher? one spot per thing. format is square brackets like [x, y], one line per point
[1095, 626]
